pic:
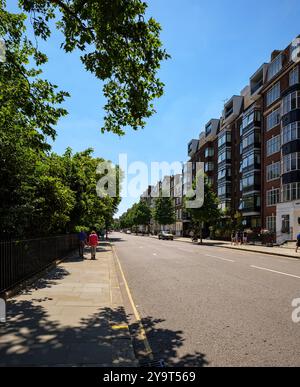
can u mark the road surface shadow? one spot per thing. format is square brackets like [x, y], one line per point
[165, 344]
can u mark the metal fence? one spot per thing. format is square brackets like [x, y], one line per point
[21, 259]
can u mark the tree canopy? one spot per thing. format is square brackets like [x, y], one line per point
[119, 45]
[41, 192]
[164, 211]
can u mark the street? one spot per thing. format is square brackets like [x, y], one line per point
[210, 306]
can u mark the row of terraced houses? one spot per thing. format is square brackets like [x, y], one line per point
[252, 153]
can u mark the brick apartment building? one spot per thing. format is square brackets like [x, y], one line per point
[255, 169]
[251, 154]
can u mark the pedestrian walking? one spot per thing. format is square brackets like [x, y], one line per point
[245, 238]
[82, 238]
[237, 238]
[93, 242]
[298, 243]
[232, 238]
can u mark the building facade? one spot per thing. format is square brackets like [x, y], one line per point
[253, 158]
[251, 154]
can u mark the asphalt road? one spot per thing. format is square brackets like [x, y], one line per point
[210, 306]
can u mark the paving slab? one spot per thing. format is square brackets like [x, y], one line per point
[68, 317]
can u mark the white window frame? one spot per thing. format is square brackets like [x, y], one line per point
[291, 162]
[273, 197]
[291, 132]
[273, 94]
[290, 192]
[294, 76]
[270, 120]
[271, 144]
[274, 67]
[271, 169]
[287, 102]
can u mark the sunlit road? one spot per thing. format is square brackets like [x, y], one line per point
[213, 306]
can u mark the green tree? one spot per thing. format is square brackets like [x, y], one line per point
[164, 211]
[29, 111]
[209, 213]
[143, 214]
[126, 220]
[80, 174]
[41, 192]
[120, 47]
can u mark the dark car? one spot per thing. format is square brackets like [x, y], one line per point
[165, 236]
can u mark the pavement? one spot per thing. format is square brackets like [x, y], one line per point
[73, 316]
[280, 251]
[213, 306]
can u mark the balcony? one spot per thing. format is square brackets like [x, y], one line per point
[225, 157]
[256, 86]
[224, 191]
[251, 121]
[232, 109]
[251, 188]
[257, 81]
[193, 147]
[250, 205]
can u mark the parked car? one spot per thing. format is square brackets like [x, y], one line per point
[164, 235]
[128, 232]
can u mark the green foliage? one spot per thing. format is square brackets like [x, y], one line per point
[127, 219]
[164, 211]
[41, 192]
[57, 194]
[28, 103]
[138, 215]
[210, 212]
[142, 214]
[120, 47]
[28, 115]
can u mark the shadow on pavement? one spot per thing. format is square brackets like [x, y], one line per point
[31, 338]
[48, 281]
[34, 336]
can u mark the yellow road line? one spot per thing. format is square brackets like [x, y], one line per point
[119, 327]
[142, 332]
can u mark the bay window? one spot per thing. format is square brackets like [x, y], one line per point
[291, 162]
[291, 102]
[291, 132]
[291, 192]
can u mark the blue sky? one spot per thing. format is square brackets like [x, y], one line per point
[215, 46]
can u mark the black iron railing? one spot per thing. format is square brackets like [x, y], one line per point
[21, 259]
